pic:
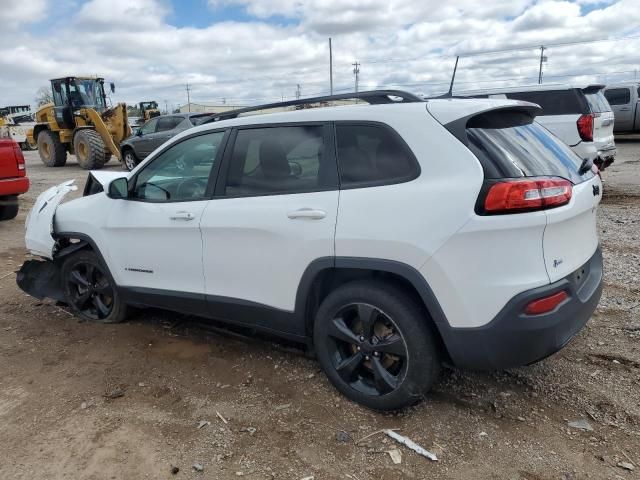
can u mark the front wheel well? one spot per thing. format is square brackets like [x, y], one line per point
[328, 280]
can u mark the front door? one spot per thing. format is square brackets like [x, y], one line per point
[154, 236]
[620, 101]
[274, 212]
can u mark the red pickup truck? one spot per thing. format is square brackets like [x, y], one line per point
[13, 178]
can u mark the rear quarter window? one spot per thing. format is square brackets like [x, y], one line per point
[597, 102]
[371, 155]
[554, 102]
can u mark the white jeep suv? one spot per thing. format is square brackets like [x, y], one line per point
[387, 237]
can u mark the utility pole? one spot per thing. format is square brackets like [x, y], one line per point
[188, 97]
[298, 91]
[542, 59]
[330, 68]
[356, 72]
[166, 107]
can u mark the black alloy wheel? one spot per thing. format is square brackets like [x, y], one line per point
[367, 349]
[376, 344]
[89, 289]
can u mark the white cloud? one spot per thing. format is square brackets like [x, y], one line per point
[14, 13]
[408, 43]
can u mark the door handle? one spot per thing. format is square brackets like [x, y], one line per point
[307, 213]
[625, 109]
[183, 216]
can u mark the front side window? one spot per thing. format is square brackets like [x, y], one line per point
[372, 155]
[149, 127]
[618, 96]
[181, 173]
[283, 160]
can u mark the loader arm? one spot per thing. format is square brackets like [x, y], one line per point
[112, 126]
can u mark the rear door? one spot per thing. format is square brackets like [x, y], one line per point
[620, 100]
[274, 212]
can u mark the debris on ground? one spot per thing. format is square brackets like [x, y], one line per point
[174, 470]
[115, 393]
[626, 465]
[581, 424]
[203, 423]
[396, 456]
[224, 420]
[342, 436]
[283, 406]
[410, 444]
[198, 467]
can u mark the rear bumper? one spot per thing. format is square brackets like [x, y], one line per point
[14, 186]
[514, 339]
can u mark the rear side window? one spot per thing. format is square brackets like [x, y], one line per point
[168, 123]
[597, 102]
[618, 96]
[370, 155]
[280, 160]
[516, 147]
[554, 102]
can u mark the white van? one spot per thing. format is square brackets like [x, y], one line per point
[624, 99]
[579, 116]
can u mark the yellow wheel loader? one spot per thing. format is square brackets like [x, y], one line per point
[79, 122]
[148, 110]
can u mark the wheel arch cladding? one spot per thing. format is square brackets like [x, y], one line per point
[326, 274]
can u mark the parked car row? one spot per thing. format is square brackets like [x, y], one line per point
[388, 238]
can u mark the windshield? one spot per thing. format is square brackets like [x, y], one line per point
[86, 93]
[526, 151]
[597, 102]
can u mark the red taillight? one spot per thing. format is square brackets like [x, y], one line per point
[526, 195]
[585, 127]
[545, 304]
[17, 152]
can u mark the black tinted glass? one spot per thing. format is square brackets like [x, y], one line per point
[618, 96]
[553, 102]
[526, 151]
[282, 160]
[372, 155]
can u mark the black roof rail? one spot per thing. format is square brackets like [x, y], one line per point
[372, 97]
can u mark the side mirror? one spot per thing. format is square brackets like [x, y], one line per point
[113, 87]
[118, 189]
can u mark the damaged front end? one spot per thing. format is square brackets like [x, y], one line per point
[41, 278]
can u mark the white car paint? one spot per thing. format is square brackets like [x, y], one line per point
[253, 248]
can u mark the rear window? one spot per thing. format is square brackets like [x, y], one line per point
[554, 102]
[618, 96]
[597, 102]
[514, 146]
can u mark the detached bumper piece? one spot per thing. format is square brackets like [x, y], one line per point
[41, 279]
[514, 338]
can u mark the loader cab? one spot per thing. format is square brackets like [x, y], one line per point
[73, 93]
[148, 110]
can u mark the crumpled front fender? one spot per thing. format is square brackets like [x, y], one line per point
[39, 225]
[41, 279]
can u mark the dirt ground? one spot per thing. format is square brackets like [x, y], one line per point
[86, 401]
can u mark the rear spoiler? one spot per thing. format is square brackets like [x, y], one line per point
[595, 88]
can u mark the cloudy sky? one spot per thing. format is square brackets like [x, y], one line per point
[252, 51]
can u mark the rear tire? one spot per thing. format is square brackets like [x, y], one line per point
[375, 345]
[89, 149]
[129, 159]
[89, 289]
[9, 207]
[52, 152]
